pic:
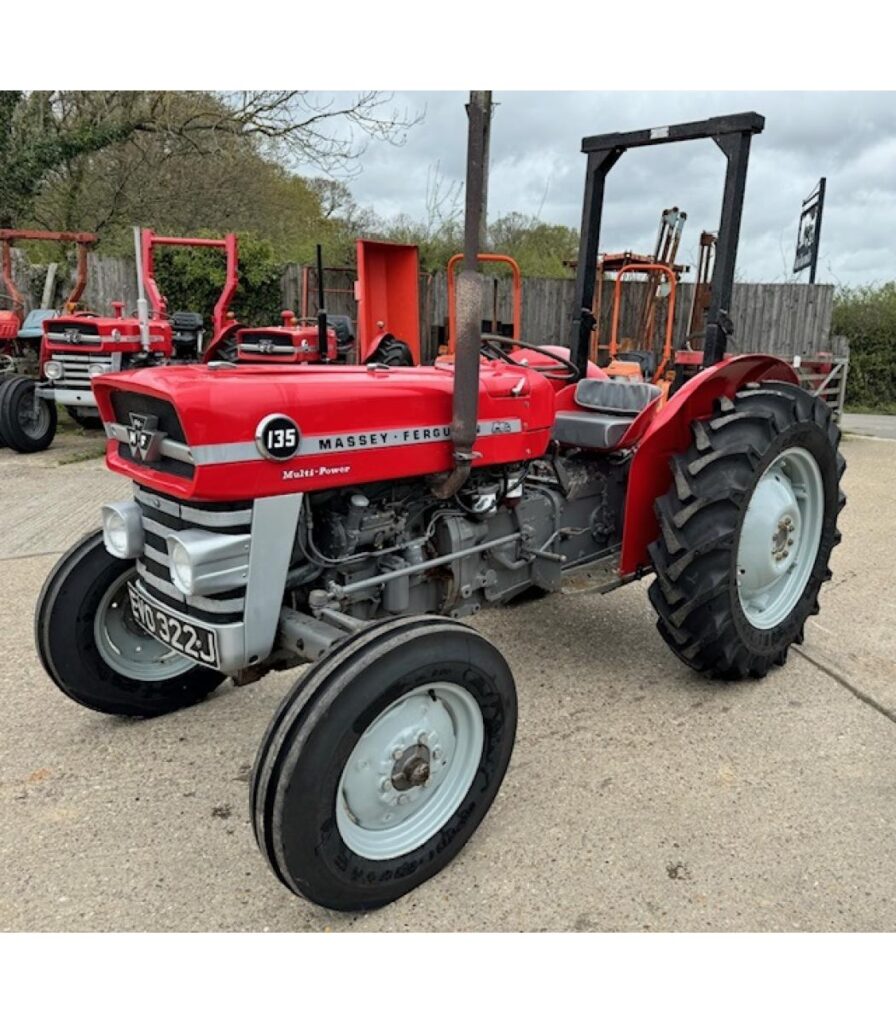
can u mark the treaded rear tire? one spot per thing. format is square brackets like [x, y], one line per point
[695, 592]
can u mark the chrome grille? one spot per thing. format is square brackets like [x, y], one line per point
[74, 368]
[163, 515]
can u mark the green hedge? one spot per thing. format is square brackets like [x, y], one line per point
[192, 279]
[867, 316]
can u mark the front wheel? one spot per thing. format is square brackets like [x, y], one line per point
[93, 649]
[26, 425]
[382, 761]
[747, 531]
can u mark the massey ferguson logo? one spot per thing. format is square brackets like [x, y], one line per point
[143, 438]
[72, 335]
[266, 346]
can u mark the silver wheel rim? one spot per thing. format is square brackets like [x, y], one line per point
[34, 421]
[779, 538]
[125, 647]
[410, 771]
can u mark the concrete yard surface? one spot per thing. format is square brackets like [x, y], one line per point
[640, 796]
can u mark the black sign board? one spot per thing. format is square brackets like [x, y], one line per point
[809, 232]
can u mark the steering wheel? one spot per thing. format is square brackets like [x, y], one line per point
[562, 370]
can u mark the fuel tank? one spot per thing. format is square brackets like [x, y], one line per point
[231, 432]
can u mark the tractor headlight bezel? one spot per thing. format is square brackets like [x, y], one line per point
[123, 535]
[201, 562]
[53, 370]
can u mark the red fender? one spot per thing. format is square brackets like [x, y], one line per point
[670, 433]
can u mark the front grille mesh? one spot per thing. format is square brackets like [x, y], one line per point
[161, 515]
[74, 368]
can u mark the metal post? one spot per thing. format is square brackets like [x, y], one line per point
[736, 148]
[599, 165]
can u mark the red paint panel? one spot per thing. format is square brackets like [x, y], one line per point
[388, 295]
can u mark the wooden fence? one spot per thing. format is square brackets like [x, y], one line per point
[783, 319]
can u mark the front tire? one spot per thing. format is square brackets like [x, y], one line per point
[24, 426]
[382, 761]
[92, 648]
[747, 531]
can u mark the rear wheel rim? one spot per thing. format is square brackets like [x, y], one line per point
[779, 538]
[410, 771]
[127, 648]
[33, 418]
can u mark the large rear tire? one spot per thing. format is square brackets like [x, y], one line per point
[24, 426]
[93, 649]
[747, 531]
[382, 761]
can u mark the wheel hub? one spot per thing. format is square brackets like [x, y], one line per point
[412, 769]
[779, 537]
[409, 770]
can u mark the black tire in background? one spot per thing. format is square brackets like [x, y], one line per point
[296, 780]
[19, 429]
[3, 382]
[89, 419]
[695, 594]
[66, 640]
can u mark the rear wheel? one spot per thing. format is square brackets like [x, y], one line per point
[26, 425]
[93, 649]
[747, 531]
[382, 761]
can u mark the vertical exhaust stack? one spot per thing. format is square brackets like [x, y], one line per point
[142, 304]
[469, 299]
[321, 309]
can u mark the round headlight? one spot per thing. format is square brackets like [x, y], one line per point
[181, 568]
[53, 370]
[95, 369]
[116, 533]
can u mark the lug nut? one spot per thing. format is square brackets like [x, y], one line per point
[396, 754]
[437, 753]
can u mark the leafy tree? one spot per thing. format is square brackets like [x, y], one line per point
[49, 136]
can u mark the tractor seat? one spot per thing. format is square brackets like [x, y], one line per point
[609, 407]
[183, 321]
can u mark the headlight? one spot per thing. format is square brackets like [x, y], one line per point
[181, 567]
[95, 369]
[53, 370]
[202, 562]
[123, 529]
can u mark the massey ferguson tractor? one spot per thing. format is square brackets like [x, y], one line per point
[353, 517]
[77, 346]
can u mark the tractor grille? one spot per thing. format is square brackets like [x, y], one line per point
[74, 368]
[161, 515]
[126, 402]
[81, 331]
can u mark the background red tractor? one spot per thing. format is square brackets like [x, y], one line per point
[350, 516]
[78, 345]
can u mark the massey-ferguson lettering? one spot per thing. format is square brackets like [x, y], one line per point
[353, 517]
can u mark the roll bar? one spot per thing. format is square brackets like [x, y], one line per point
[82, 239]
[732, 134]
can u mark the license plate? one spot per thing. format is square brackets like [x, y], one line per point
[187, 638]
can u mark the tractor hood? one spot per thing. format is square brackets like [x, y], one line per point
[205, 432]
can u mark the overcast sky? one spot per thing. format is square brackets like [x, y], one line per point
[537, 168]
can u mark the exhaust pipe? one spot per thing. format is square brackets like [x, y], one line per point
[469, 301]
[142, 304]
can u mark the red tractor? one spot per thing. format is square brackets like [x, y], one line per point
[77, 346]
[353, 516]
[387, 294]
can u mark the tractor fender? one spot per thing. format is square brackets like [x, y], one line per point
[670, 433]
